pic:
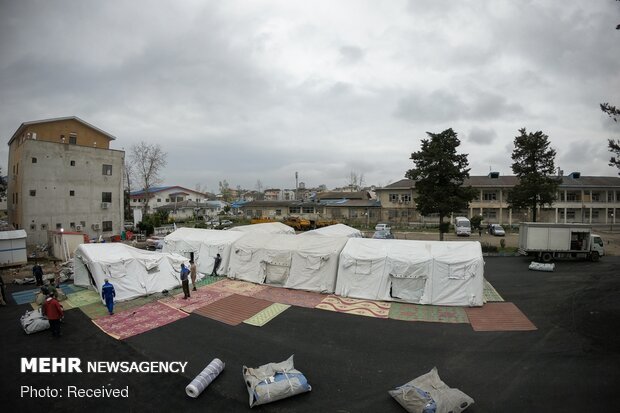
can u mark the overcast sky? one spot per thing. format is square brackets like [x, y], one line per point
[257, 90]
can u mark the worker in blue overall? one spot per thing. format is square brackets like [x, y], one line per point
[108, 294]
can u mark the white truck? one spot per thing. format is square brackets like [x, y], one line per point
[547, 241]
[462, 226]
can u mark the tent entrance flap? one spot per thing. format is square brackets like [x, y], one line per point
[277, 267]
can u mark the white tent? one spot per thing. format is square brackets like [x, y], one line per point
[421, 272]
[204, 243]
[265, 228]
[305, 263]
[337, 230]
[132, 271]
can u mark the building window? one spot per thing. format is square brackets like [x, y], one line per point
[489, 196]
[405, 198]
[134, 200]
[392, 213]
[72, 163]
[33, 192]
[295, 210]
[167, 199]
[158, 199]
[278, 212]
[58, 225]
[33, 227]
[43, 227]
[73, 139]
[107, 170]
[394, 198]
[106, 197]
[573, 196]
[107, 226]
[72, 225]
[83, 224]
[308, 210]
[71, 193]
[34, 160]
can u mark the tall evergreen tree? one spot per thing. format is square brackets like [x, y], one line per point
[439, 173]
[534, 165]
[613, 144]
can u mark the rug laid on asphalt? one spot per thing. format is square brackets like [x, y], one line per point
[233, 309]
[98, 309]
[139, 320]
[82, 298]
[268, 314]
[498, 317]
[196, 300]
[428, 313]
[292, 297]
[237, 287]
[490, 293]
[28, 296]
[368, 308]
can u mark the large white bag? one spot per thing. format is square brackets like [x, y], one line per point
[33, 322]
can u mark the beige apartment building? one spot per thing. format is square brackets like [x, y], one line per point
[62, 175]
[582, 199]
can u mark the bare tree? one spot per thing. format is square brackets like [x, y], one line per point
[225, 190]
[148, 161]
[356, 180]
[259, 189]
[128, 178]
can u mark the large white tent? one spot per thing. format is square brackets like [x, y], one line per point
[205, 244]
[336, 230]
[133, 272]
[265, 228]
[423, 272]
[306, 263]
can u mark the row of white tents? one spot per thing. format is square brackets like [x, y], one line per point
[333, 259]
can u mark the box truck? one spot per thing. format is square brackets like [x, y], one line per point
[547, 241]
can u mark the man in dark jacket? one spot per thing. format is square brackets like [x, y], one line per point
[216, 264]
[53, 311]
[185, 280]
[108, 294]
[37, 271]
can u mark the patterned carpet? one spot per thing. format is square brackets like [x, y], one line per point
[197, 299]
[233, 309]
[82, 298]
[490, 293]
[429, 313]
[368, 308]
[292, 297]
[98, 309]
[237, 287]
[138, 320]
[267, 314]
[499, 317]
[208, 280]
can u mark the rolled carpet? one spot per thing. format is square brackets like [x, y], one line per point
[204, 378]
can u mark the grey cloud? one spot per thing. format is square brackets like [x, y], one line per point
[482, 136]
[351, 54]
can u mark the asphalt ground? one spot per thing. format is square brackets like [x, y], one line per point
[570, 364]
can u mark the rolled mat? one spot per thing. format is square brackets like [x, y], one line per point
[205, 378]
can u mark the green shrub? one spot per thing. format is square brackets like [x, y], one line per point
[487, 247]
[502, 243]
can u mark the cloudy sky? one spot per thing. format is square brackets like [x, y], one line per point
[257, 90]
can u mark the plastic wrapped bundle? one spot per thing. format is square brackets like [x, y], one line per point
[274, 381]
[428, 394]
[34, 321]
[539, 266]
[205, 378]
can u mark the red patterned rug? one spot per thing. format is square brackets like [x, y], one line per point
[237, 287]
[233, 309]
[138, 320]
[197, 299]
[368, 308]
[498, 317]
[291, 297]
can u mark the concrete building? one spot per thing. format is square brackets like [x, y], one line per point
[164, 195]
[580, 199]
[62, 174]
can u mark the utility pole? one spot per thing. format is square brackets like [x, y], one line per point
[296, 185]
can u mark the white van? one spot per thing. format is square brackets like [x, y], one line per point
[462, 226]
[382, 227]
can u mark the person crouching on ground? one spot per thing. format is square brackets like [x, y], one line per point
[216, 264]
[108, 294]
[185, 281]
[53, 311]
[192, 272]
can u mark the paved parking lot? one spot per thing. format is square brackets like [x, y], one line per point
[571, 363]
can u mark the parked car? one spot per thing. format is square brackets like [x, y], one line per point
[497, 230]
[383, 235]
[382, 227]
